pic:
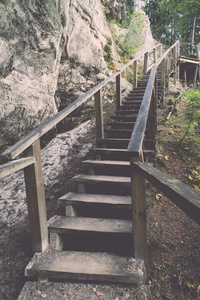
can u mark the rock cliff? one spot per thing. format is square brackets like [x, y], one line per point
[51, 52]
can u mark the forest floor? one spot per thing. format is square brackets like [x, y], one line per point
[173, 238]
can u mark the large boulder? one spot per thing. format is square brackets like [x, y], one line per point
[32, 36]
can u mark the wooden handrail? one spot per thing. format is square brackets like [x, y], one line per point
[32, 165]
[15, 150]
[181, 194]
[137, 137]
[16, 165]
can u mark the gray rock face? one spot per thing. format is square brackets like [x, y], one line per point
[115, 10]
[32, 36]
[51, 52]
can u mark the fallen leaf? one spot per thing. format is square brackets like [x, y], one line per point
[190, 177]
[94, 290]
[195, 172]
[99, 294]
[198, 291]
[43, 295]
[117, 298]
[196, 187]
[166, 157]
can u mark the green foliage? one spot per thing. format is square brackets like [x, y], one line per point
[193, 113]
[132, 40]
[173, 19]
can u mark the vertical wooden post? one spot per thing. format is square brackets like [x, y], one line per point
[160, 51]
[185, 78]
[195, 76]
[175, 65]
[177, 49]
[154, 55]
[138, 194]
[99, 115]
[146, 58]
[151, 123]
[118, 92]
[198, 57]
[36, 200]
[163, 82]
[135, 68]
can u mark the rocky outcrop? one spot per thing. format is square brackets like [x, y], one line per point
[115, 10]
[51, 52]
[32, 36]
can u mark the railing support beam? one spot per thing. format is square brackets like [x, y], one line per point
[146, 58]
[118, 92]
[99, 115]
[163, 64]
[135, 69]
[138, 193]
[36, 200]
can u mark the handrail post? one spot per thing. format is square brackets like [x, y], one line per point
[146, 58]
[160, 51]
[154, 55]
[175, 65]
[36, 200]
[99, 114]
[138, 194]
[163, 82]
[135, 68]
[151, 123]
[118, 92]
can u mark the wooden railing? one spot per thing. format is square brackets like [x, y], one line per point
[181, 194]
[146, 118]
[29, 147]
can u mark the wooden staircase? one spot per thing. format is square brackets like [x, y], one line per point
[94, 239]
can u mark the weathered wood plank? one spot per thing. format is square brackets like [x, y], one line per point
[99, 115]
[14, 166]
[184, 196]
[86, 266]
[138, 193]
[96, 199]
[82, 225]
[118, 92]
[36, 200]
[136, 141]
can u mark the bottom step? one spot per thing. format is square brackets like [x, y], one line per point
[91, 266]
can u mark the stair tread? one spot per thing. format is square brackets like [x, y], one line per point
[75, 225]
[92, 266]
[118, 150]
[102, 179]
[88, 199]
[106, 162]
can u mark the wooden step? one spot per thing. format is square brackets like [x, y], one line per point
[113, 143]
[96, 200]
[125, 118]
[122, 153]
[132, 102]
[108, 167]
[119, 133]
[121, 124]
[122, 143]
[71, 265]
[79, 225]
[124, 112]
[129, 107]
[106, 163]
[102, 179]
